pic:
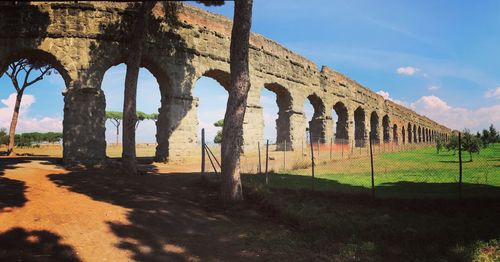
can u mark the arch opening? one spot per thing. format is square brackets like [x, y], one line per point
[403, 134]
[386, 129]
[374, 127]
[317, 121]
[280, 126]
[211, 92]
[395, 137]
[36, 113]
[410, 137]
[419, 133]
[341, 124]
[415, 139]
[148, 103]
[359, 127]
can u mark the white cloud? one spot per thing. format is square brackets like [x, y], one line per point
[409, 70]
[493, 93]
[433, 88]
[455, 117]
[386, 96]
[25, 122]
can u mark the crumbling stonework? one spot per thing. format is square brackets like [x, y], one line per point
[84, 39]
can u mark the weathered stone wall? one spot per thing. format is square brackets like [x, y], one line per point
[83, 40]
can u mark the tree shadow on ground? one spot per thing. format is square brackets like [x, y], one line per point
[383, 229]
[395, 190]
[17, 244]
[172, 217]
[11, 190]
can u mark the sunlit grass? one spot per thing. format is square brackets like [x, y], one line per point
[419, 172]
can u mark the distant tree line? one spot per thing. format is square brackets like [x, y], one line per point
[116, 118]
[31, 139]
[469, 142]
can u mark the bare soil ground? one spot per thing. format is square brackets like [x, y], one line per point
[51, 213]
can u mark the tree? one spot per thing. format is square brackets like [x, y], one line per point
[485, 137]
[470, 143]
[116, 119]
[19, 73]
[141, 116]
[231, 189]
[439, 145]
[129, 161]
[153, 116]
[4, 139]
[218, 136]
[494, 135]
[452, 144]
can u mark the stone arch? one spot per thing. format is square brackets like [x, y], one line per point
[165, 123]
[222, 77]
[160, 73]
[40, 56]
[403, 135]
[342, 125]
[395, 137]
[374, 127]
[415, 138]
[386, 129]
[419, 133]
[410, 137]
[317, 124]
[284, 101]
[77, 142]
[359, 127]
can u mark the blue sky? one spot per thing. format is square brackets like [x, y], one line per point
[440, 58]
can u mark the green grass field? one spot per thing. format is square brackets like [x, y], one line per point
[418, 173]
[416, 216]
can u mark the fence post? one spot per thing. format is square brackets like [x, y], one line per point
[312, 161]
[260, 166]
[460, 166]
[371, 164]
[203, 153]
[267, 161]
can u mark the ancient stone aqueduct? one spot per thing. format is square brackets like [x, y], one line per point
[82, 40]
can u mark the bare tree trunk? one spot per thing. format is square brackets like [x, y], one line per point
[129, 160]
[236, 104]
[13, 123]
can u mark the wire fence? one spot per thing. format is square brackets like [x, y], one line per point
[385, 170]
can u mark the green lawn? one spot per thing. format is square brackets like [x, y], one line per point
[419, 173]
[415, 217]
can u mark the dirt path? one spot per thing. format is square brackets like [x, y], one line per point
[56, 214]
